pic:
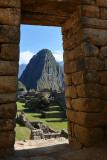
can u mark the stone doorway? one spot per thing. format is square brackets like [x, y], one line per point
[37, 38]
[84, 29]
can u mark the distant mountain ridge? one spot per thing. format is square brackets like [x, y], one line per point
[43, 72]
[21, 69]
[61, 63]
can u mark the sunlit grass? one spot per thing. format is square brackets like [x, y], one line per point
[23, 133]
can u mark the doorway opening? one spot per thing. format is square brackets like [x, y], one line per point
[41, 99]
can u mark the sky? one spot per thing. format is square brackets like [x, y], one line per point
[36, 38]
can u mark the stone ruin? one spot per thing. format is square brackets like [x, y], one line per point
[39, 130]
[84, 29]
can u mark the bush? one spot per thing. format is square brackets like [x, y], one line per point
[43, 103]
[38, 104]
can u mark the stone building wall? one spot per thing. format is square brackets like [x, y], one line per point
[85, 67]
[9, 56]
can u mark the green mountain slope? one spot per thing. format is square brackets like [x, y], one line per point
[21, 86]
[43, 72]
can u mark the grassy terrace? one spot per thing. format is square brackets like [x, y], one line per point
[53, 111]
[53, 106]
[23, 133]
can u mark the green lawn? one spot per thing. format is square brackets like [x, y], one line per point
[24, 133]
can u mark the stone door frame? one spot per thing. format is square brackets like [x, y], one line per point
[84, 32]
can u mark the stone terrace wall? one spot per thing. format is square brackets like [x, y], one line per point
[9, 56]
[85, 67]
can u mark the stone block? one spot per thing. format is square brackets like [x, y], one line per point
[65, 56]
[7, 124]
[66, 35]
[85, 77]
[103, 52]
[7, 139]
[90, 11]
[91, 76]
[70, 67]
[83, 50]
[69, 128]
[103, 13]
[10, 16]
[11, 3]
[75, 145]
[8, 84]
[8, 111]
[89, 50]
[94, 23]
[9, 34]
[89, 90]
[73, 41]
[8, 98]
[91, 2]
[103, 77]
[9, 52]
[68, 80]
[88, 120]
[75, 18]
[91, 63]
[101, 3]
[70, 91]
[68, 103]
[88, 136]
[74, 54]
[95, 36]
[9, 68]
[87, 104]
[78, 77]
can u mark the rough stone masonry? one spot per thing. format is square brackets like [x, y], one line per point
[84, 29]
[85, 58]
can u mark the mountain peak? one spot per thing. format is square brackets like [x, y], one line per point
[43, 72]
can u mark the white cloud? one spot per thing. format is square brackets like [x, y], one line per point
[25, 57]
[58, 55]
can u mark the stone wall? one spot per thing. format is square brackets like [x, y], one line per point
[9, 56]
[85, 67]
